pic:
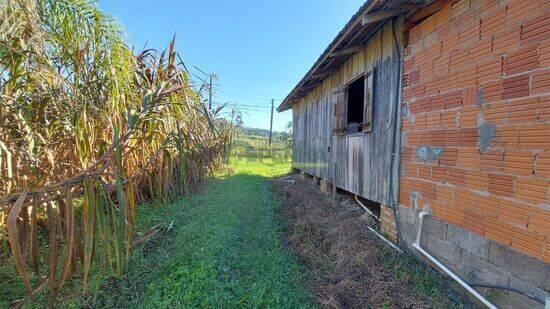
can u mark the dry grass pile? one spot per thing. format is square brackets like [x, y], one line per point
[350, 266]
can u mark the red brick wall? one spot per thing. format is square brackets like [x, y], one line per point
[477, 87]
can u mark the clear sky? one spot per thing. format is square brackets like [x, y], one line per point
[259, 49]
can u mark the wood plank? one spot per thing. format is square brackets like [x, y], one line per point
[346, 51]
[380, 16]
[426, 12]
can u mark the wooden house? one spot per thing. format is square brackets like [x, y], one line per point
[442, 105]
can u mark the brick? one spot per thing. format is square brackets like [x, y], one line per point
[534, 136]
[454, 215]
[493, 23]
[542, 164]
[408, 64]
[421, 105]
[420, 122]
[481, 50]
[474, 223]
[506, 136]
[507, 40]
[433, 50]
[468, 157]
[453, 138]
[513, 213]
[415, 35]
[448, 82]
[466, 76]
[540, 82]
[459, 8]
[441, 65]
[501, 185]
[418, 91]
[486, 206]
[432, 86]
[433, 120]
[539, 221]
[523, 110]
[519, 162]
[464, 199]
[411, 170]
[491, 91]
[456, 177]
[449, 119]
[532, 190]
[536, 29]
[470, 33]
[515, 87]
[426, 71]
[520, 11]
[544, 53]
[453, 99]
[544, 109]
[469, 137]
[469, 96]
[426, 189]
[522, 60]
[438, 102]
[477, 180]
[468, 116]
[494, 113]
[450, 42]
[439, 174]
[491, 160]
[448, 157]
[498, 232]
[458, 59]
[489, 69]
[427, 26]
[424, 172]
[527, 242]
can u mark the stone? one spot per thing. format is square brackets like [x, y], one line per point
[520, 265]
[482, 269]
[443, 249]
[435, 227]
[325, 187]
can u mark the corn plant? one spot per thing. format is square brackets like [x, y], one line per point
[88, 130]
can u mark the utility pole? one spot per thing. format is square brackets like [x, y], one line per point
[210, 92]
[271, 123]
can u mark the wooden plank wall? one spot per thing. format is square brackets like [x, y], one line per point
[359, 163]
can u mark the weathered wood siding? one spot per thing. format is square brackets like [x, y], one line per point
[361, 162]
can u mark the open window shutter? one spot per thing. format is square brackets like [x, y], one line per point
[339, 115]
[367, 103]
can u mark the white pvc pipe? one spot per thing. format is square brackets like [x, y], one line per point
[291, 182]
[366, 209]
[443, 267]
[374, 231]
[384, 239]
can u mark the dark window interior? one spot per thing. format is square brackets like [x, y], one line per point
[356, 95]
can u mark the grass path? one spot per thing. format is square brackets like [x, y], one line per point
[225, 249]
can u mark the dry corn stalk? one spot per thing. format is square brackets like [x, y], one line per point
[87, 131]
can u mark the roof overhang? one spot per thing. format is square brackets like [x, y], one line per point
[363, 24]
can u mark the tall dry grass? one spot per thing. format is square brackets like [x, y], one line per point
[87, 131]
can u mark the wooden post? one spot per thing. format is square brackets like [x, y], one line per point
[271, 123]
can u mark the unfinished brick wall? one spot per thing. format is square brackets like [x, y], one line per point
[388, 225]
[476, 120]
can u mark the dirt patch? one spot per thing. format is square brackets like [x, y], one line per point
[350, 267]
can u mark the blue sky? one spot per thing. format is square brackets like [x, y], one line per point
[259, 49]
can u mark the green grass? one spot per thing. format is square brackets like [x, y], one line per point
[224, 248]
